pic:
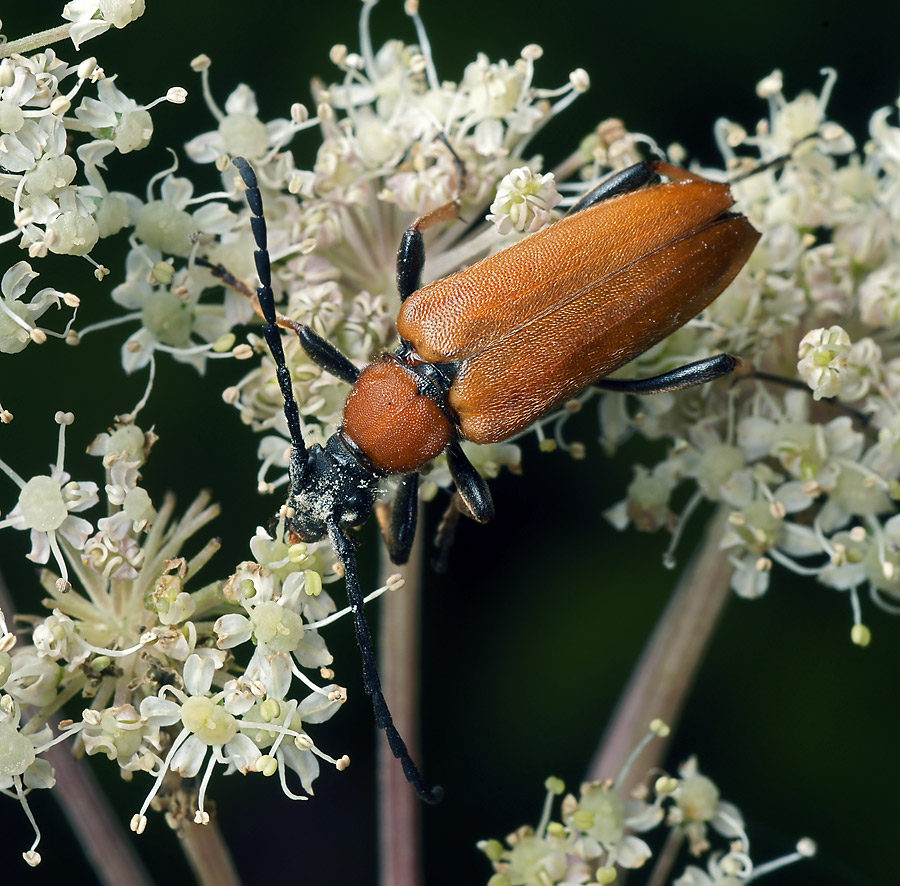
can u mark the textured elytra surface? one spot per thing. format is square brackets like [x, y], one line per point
[537, 323]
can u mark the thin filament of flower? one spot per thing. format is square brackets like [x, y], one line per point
[365, 38]
[303, 678]
[146, 396]
[146, 640]
[159, 176]
[693, 503]
[789, 563]
[282, 779]
[541, 829]
[425, 46]
[345, 611]
[180, 739]
[23, 799]
[72, 730]
[881, 603]
[106, 324]
[214, 109]
[12, 476]
[58, 556]
[207, 775]
[19, 321]
[629, 762]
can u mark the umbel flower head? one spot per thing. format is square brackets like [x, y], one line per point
[157, 657]
[807, 488]
[147, 647]
[809, 484]
[596, 833]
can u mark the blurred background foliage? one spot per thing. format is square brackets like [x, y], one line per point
[530, 636]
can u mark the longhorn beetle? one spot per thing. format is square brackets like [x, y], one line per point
[487, 351]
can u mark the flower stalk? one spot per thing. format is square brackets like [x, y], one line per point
[664, 675]
[399, 810]
[35, 41]
[208, 854]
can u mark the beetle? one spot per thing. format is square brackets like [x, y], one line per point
[490, 349]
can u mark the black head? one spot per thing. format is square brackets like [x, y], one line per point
[328, 486]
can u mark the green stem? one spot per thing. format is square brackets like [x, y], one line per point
[210, 596]
[35, 41]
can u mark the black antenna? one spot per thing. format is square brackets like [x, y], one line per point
[300, 476]
[267, 305]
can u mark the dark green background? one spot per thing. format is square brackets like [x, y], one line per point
[529, 638]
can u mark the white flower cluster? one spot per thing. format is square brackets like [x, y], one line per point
[810, 481]
[596, 833]
[154, 653]
[133, 632]
[46, 143]
[91, 18]
[46, 140]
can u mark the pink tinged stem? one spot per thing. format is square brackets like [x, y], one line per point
[663, 677]
[99, 830]
[399, 809]
[208, 854]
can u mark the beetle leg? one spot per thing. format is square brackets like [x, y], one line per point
[343, 547]
[403, 519]
[623, 182]
[796, 384]
[410, 261]
[458, 163]
[411, 254]
[775, 162]
[446, 532]
[631, 179]
[323, 353]
[686, 376]
[471, 485]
